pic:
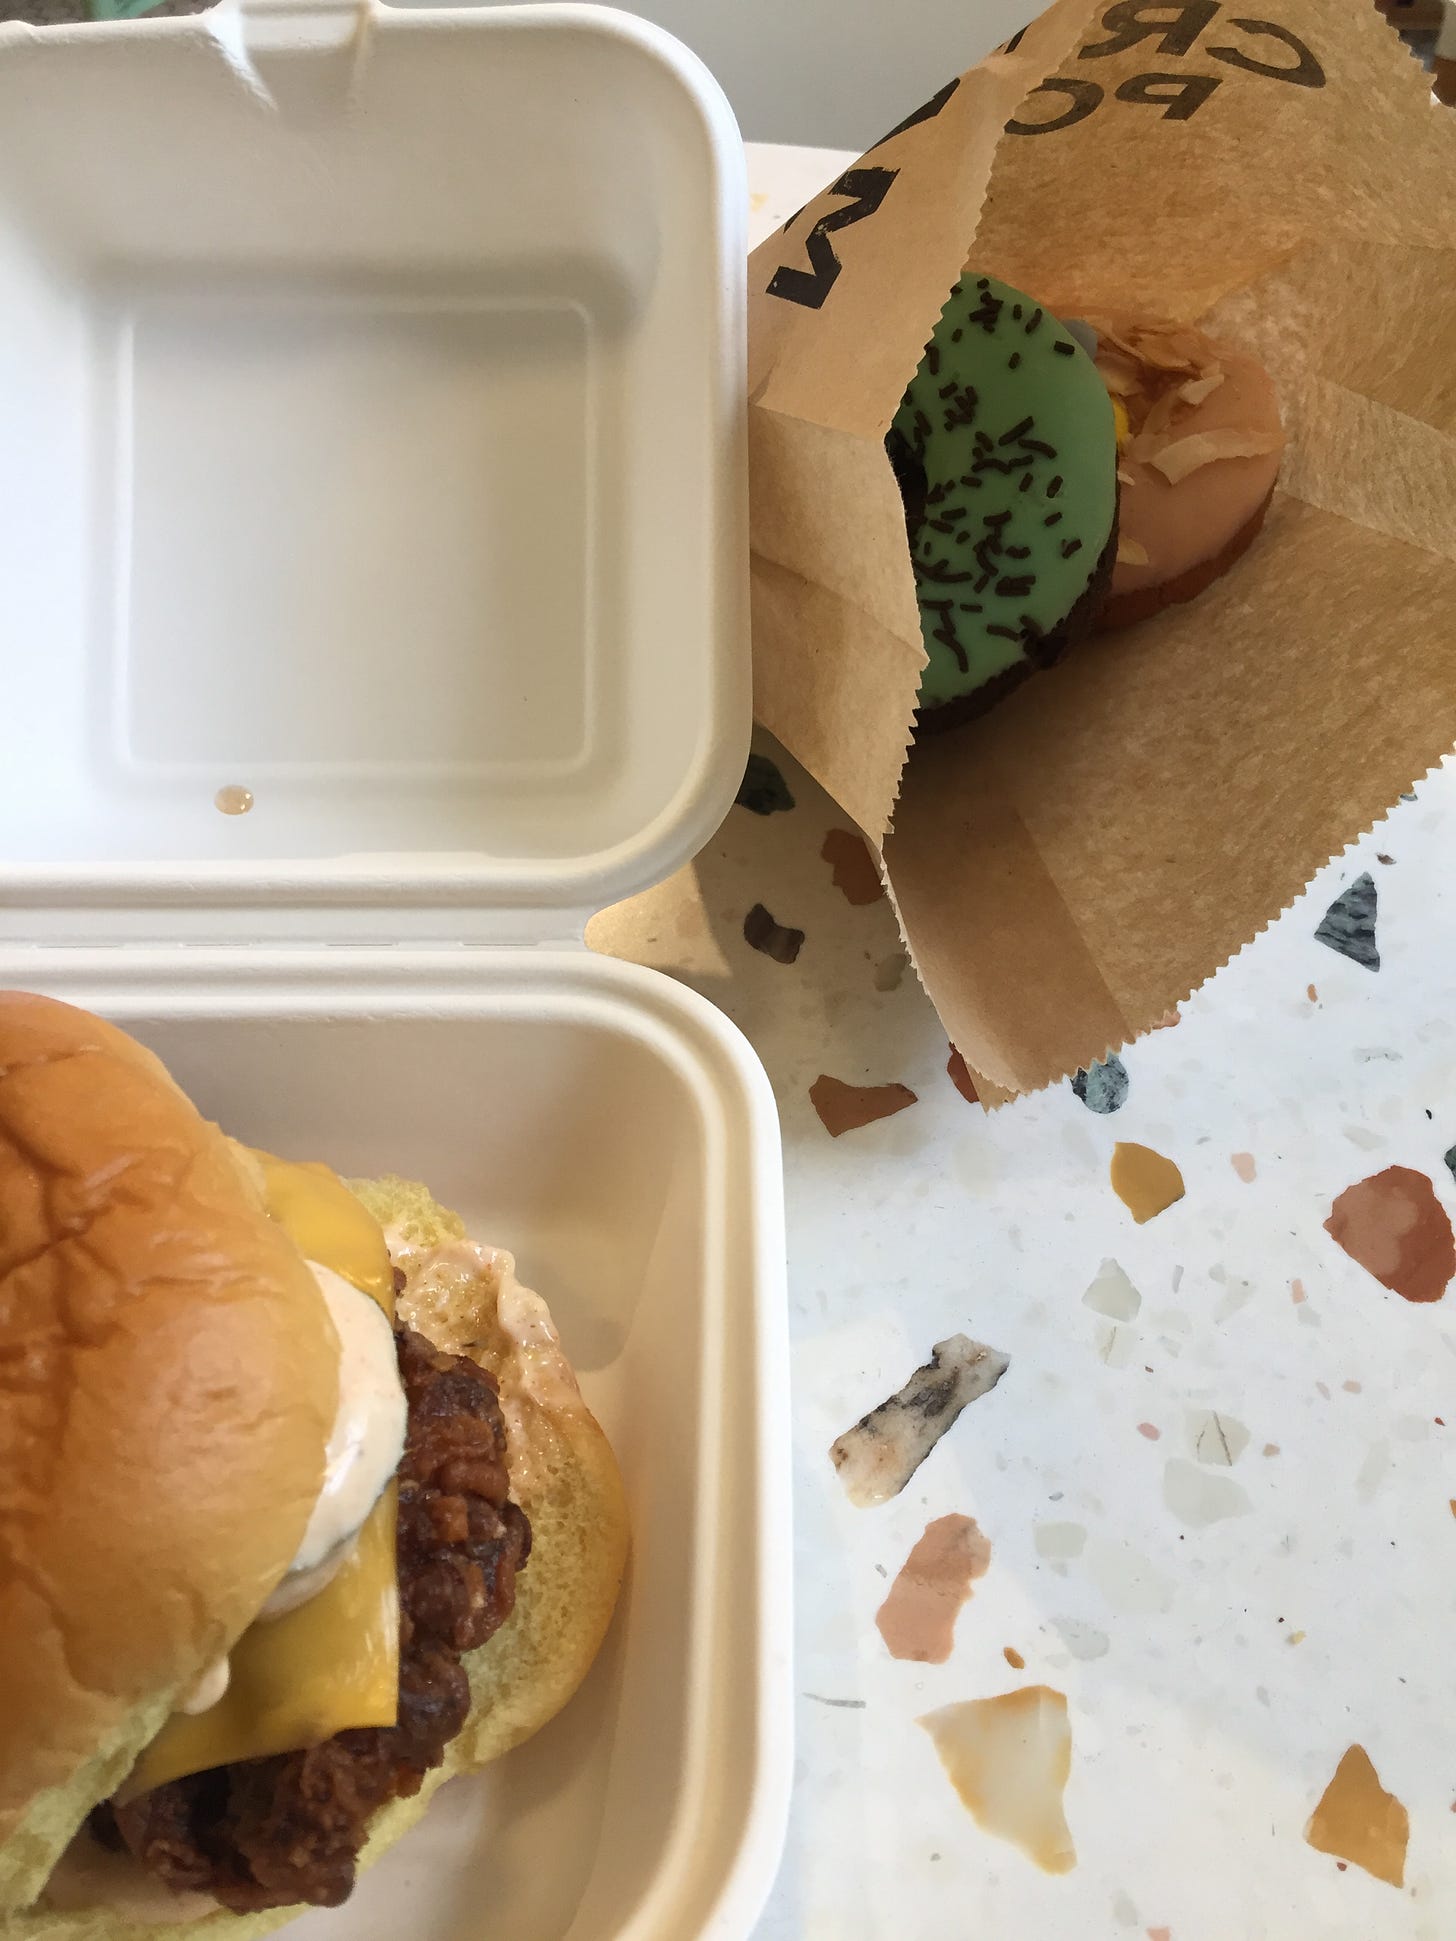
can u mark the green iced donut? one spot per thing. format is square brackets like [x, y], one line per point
[1006, 453]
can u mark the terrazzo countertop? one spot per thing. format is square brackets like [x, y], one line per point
[1206, 1520]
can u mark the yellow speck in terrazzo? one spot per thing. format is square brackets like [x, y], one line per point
[1145, 1182]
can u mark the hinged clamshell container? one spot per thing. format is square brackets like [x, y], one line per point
[371, 401]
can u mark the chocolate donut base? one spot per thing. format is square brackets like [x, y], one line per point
[1126, 609]
[1080, 622]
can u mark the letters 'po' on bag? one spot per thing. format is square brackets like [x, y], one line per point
[1070, 867]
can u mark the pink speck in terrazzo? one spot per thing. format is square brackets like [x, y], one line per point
[845, 1108]
[917, 1619]
[1160, 1934]
[1296, 1292]
[1350, 1388]
[961, 1078]
[1149, 1430]
[1243, 1165]
[1397, 1230]
[856, 873]
[1271, 1448]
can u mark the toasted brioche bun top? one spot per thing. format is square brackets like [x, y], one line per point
[168, 1380]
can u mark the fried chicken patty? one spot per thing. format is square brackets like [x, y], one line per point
[274, 1832]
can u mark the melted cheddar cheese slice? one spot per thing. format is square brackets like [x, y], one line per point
[333, 1662]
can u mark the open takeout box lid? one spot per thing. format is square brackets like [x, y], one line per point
[372, 387]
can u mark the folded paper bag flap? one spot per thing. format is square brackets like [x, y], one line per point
[1360, 338]
[817, 604]
[1071, 867]
[959, 859]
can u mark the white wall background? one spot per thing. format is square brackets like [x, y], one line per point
[835, 73]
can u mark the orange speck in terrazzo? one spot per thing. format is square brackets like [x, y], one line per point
[1243, 1165]
[1145, 1181]
[961, 1078]
[1357, 1820]
[1017, 1663]
[1394, 1227]
[1296, 1292]
[1009, 1758]
[1313, 995]
[1271, 1448]
[852, 862]
[845, 1108]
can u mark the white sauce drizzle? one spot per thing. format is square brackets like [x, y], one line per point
[211, 1684]
[367, 1440]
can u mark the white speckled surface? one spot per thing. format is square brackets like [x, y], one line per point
[1152, 1563]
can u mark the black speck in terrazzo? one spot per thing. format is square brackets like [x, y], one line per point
[1451, 1161]
[1348, 926]
[763, 789]
[776, 940]
[1103, 1088]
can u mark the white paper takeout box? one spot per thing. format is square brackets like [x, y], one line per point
[371, 390]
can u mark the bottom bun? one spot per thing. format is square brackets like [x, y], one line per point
[465, 1298]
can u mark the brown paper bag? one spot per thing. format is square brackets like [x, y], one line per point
[1070, 867]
